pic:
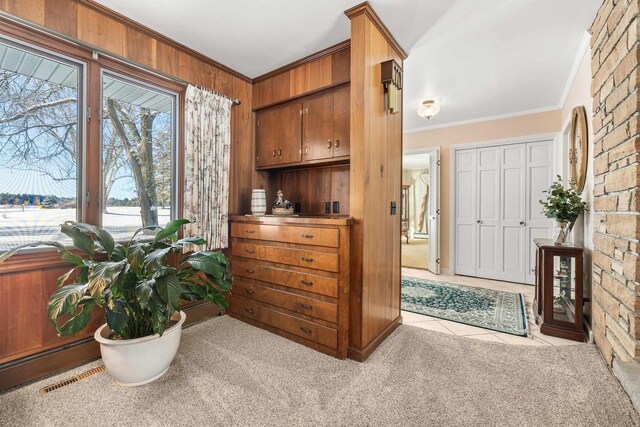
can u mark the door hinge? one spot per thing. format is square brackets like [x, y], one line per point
[88, 114]
[87, 197]
[437, 211]
[438, 162]
[437, 260]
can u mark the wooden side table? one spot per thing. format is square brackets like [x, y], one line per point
[559, 284]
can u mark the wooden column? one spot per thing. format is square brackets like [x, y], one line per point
[375, 182]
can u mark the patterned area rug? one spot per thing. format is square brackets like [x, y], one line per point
[486, 308]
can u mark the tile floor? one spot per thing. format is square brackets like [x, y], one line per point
[473, 332]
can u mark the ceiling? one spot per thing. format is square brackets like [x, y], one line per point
[477, 58]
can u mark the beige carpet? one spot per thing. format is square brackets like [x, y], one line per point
[229, 373]
[416, 253]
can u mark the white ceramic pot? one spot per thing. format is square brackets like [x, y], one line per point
[141, 360]
[258, 202]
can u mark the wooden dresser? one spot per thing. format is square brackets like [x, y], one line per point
[292, 278]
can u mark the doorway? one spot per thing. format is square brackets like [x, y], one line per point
[420, 210]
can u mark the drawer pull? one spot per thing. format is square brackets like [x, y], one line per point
[249, 271]
[249, 231]
[250, 251]
[249, 291]
[306, 330]
[306, 306]
[248, 310]
[306, 259]
[307, 236]
[306, 282]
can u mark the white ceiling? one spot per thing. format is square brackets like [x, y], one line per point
[478, 58]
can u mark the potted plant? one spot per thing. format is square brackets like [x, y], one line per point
[563, 205]
[140, 287]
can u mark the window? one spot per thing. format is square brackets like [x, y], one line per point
[40, 149]
[138, 146]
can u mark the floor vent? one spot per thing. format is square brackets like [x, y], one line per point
[72, 380]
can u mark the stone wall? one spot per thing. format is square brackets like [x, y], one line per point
[616, 262]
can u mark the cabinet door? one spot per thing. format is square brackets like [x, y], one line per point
[278, 135]
[317, 135]
[341, 108]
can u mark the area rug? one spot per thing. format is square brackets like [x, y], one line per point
[228, 373]
[486, 308]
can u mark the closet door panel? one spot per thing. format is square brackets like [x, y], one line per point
[466, 226]
[488, 217]
[512, 220]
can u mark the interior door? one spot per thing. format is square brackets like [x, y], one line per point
[341, 115]
[434, 211]
[488, 212]
[317, 133]
[539, 178]
[513, 245]
[466, 204]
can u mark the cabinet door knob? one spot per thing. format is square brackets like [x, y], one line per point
[250, 251]
[337, 143]
[306, 282]
[248, 310]
[523, 223]
[249, 291]
[307, 236]
[305, 330]
[249, 271]
[306, 306]
[329, 144]
[274, 152]
[479, 221]
[306, 259]
[279, 152]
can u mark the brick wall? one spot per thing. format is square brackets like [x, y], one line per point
[616, 145]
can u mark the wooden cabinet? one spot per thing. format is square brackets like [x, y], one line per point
[311, 130]
[278, 135]
[292, 278]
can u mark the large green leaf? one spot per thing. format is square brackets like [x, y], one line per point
[103, 275]
[136, 254]
[65, 299]
[172, 227]
[169, 289]
[62, 279]
[62, 251]
[192, 241]
[144, 290]
[154, 259]
[159, 318]
[213, 263]
[116, 317]
[77, 322]
[80, 236]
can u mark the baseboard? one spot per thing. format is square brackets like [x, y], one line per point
[360, 355]
[57, 359]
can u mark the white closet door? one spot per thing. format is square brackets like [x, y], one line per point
[488, 212]
[539, 178]
[434, 211]
[513, 246]
[465, 212]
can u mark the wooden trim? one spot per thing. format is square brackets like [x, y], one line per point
[310, 58]
[368, 10]
[362, 355]
[99, 8]
[32, 367]
[328, 88]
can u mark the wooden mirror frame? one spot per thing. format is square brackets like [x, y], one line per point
[578, 172]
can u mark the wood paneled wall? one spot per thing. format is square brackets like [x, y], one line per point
[329, 67]
[25, 290]
[376, 179]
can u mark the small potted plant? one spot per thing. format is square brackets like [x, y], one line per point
[564, 205]
[139, 286]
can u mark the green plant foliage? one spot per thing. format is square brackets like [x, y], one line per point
[563, 204]
[138, 285]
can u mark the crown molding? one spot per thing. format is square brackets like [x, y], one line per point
[485, 119]
[585, 45]
[314, 56]
[367, 9]
[110, 13]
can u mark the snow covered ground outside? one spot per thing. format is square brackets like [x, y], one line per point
[18, 227]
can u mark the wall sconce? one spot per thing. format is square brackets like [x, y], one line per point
[428, 109]
[391, 76]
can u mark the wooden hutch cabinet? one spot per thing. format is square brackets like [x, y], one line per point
[559, 283]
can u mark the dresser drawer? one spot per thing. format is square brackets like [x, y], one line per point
[309, 306]
[294, 325]
[292, 279]
[303, 258]
[290, 234]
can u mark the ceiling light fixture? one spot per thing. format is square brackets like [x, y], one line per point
[428, 109]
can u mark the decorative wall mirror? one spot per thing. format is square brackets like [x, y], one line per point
[578, 147]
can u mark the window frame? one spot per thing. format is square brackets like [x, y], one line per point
[175, 134]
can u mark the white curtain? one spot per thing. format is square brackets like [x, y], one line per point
[207, 143]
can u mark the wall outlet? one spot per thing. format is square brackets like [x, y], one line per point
[327, 207]
[336, 207]
[296, 207]
[393, 208]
